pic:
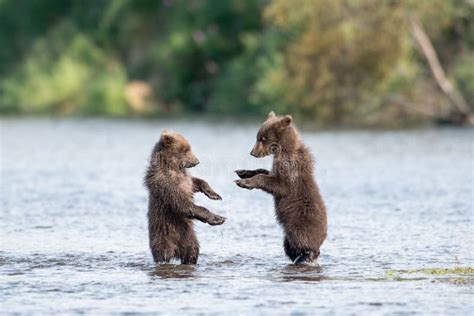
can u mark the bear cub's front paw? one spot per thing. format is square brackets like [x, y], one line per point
[244, 174]
[243, 183]
[213, 195]
[216, 220]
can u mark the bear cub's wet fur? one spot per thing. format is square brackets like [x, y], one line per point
[298, 204]
[170, 207]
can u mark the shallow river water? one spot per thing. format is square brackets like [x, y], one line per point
[73, 231]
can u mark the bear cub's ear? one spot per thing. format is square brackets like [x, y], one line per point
[284, 122]
[271, 115]
[166, 137]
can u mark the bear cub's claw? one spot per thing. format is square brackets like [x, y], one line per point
[213, 196]
[217, 220]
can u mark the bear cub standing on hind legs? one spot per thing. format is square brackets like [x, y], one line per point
[298, 204]
[170, 206]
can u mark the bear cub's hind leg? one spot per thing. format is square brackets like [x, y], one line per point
[299, 256]
[189, 248]
[307, 257]
[190, 257]
[163, 252]
[291, 252]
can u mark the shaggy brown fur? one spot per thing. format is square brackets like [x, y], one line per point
[298, 204]
[171, 207]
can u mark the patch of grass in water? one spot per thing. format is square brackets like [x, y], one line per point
[437, 271]
[465, 275]
[456, 270]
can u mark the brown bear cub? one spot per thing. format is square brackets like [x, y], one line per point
[298, 204]
[170, 207]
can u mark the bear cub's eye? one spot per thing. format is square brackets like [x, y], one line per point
[262, 139]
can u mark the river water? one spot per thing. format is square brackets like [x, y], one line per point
[73, 230]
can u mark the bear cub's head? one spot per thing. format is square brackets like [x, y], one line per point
[175, 151]
[275, 135]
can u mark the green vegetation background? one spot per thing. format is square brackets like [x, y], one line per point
[344, 62]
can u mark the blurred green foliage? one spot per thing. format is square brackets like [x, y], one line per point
[331, 62]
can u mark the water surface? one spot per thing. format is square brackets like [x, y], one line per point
[73, 232]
